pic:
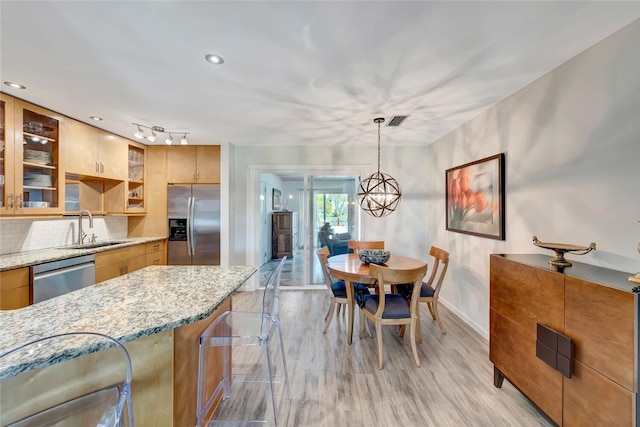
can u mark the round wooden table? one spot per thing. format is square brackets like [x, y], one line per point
[349, 268]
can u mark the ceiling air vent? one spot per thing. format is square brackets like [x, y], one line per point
[396, 120]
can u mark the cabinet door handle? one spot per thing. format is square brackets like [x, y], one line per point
[11, 200]
[97, 166]
[194, 175]
[19, 196]
[198, 176]
[101, 167]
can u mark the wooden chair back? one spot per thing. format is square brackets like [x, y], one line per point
[441, 263]
[323, 256]
[359, 244]
[390, 276]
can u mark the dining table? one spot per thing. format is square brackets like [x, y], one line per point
[351, 269]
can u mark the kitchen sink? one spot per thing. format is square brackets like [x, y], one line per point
[95, 245]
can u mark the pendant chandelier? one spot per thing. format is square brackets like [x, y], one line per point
[379, 194]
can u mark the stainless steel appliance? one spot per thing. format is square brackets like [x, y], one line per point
[194, 224]
[57, 278]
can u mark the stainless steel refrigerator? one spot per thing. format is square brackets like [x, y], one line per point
[194, 224]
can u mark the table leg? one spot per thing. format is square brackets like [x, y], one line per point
[351, 303]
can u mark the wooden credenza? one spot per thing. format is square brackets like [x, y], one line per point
[284, 235]
[593, 310]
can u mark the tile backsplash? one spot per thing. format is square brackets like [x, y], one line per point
[24, 234]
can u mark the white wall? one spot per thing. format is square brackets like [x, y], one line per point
[572, 147]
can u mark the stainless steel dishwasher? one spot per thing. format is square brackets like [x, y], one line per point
[57, 278]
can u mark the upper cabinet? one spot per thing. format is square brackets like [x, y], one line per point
[89, 151]
[6, 155]
[33, 179]
[198, 164]
[135, 180]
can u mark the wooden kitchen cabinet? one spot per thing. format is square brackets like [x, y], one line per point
[7, 156]
[193, 164]
[89, 151]
[116, 262]
[156, 253]
[34, 179]
[14, 288]
[136, 177]
[593, 308]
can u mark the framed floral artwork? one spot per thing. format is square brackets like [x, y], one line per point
[475, 198]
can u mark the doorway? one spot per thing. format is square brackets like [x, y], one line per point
[317, 197]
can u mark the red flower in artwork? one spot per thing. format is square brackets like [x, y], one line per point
[462, 198]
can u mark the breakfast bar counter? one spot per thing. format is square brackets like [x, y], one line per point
[158, 312]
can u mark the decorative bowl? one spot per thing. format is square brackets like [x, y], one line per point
[374, 256]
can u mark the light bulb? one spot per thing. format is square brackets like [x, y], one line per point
[139, 134]
[169, 140]
[183, 140]
[152, 137]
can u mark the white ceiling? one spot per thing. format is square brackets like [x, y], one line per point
[295, 73]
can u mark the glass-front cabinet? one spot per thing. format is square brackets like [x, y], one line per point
[6, 154]
[135, 182]
[38, 184]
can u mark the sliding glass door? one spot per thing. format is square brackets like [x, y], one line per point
[330, 218]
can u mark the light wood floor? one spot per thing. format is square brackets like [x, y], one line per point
[334, 384]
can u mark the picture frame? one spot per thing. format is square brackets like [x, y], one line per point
[475, 198]
[276, 200]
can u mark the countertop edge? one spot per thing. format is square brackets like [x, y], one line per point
[39, 256]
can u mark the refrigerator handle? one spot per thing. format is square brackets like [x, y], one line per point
[192, 213]
[189, 226]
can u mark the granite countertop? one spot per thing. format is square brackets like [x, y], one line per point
[29, 258]
[138, 304]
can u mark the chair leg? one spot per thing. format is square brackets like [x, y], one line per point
[339, 307]
[419, 325]
[412, 338]
[329, 316]
[379, 337]
[437, 317]
[284, 363]
[430, 306]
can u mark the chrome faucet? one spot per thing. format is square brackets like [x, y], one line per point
[82, 234]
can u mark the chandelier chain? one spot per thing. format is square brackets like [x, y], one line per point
[378, 147]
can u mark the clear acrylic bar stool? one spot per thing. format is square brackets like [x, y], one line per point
[254, 385]
[88, 385]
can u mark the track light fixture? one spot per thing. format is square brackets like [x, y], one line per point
[155, 130]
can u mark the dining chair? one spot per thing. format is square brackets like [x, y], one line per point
[430, 290]
[336, 290]
[67, 386]
[361, 244]
[393, 309]
[254, 384]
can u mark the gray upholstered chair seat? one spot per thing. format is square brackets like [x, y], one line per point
[426, 290]
[395, 306]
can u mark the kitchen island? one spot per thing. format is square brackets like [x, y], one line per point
[157, 312]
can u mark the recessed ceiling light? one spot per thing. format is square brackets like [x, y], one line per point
[96, 118]
[214, 59]
[17, 85]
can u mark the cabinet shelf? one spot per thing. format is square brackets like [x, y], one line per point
[35, 187]
[38, 165]
[135, 181]
[35, 135]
